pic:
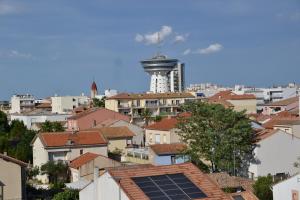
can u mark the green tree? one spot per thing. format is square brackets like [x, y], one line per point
[57, 171]
[146, 115]
[262, 187]
[157, 118]
[221, 136]
[99, 102]
[4, 126]
[23, 149]
[17, 129]
[48, 126]
[67, 195]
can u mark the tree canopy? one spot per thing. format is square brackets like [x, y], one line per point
[262, 187]
[48, 126]
[67, 195]
[99, 102]
[221, 136]
[56, 171]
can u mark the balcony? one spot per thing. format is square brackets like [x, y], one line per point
[137, 155]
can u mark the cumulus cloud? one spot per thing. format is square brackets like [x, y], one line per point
[15, 54]
[213, 48]
[181, 38]
[156, 37]
[187, 51]
[7, 8]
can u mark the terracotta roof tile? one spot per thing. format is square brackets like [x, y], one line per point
[229, 95]
[14, 160]
[200, 179]
[247, 195]
[60, 139]
[165, 124]
[105, 113]
[83, 159]
[166, 149]
[265, 134]
[152, 96]
[115, 132]
[284, 102]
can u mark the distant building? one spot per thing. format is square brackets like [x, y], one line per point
[12, 178]
[5, 106]
[22, 103]
[158, 104]
[94, 90]
[66, 104]
[287, 189]
[35, 118]
[167, 75]
[92, 117]
[65, 146]
[289, 104]
[237, 102]
[143, 182]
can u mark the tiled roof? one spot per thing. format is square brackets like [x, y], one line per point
[105, 113]
[224, 180]
[265, 134]
[44, 105]
[14, 160]
[229, 95]
[61, 139]
[83, 159]
[284, 102]
[247, 195]
[166, 149]
[115, 132]
[277, 121]
[152, 96]
[201, 180]
[223, 102]
[165, 124]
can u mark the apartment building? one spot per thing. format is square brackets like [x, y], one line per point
[158, 103]
[21, 103]
[66, 104]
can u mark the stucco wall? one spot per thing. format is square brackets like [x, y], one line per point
[283, 190]
[117, 144]
[10, 175]
[170, 136]
[246, 104]
[276, 154]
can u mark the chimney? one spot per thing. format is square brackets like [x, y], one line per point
[96, 175]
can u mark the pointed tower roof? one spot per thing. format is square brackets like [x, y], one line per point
[94, 86]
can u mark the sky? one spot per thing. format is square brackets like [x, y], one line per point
[60, 47]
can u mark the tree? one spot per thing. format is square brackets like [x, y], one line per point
[48, 126]
[17, 129]
[99, 102]
[57, 171]
[221, 136]
[4, 126]
[262, 187]
[157, 118]
[146, 115]
[68, 194]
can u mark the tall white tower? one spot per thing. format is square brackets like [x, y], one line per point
[167, 75]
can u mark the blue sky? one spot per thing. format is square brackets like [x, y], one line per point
[57, 46]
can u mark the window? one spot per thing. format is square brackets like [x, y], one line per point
[81, 151]
[157, 138]
[173, 160]
[164, 139]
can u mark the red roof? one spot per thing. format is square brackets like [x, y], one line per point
[166, 149]
[169, 95]
[14, 160]
[229, 95]
[115, 132]
[165, 124]
[103, 112]
[265, 134]
[61, 139]
[83, 159]
[201, 180]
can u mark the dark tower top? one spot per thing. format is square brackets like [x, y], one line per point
[94, 86]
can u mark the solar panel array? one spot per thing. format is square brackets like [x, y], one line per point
[169, 187]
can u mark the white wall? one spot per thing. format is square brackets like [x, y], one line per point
[65, 104]
[40, 157]
[276, 154]
[283, 190]
[107, 189]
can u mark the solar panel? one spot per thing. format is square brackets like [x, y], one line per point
[169, 187]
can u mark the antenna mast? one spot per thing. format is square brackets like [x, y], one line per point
[158, 44]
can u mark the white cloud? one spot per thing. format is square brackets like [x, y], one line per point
[187, 51]
[15, 54]
[7, 8]
[181, 38]
[156, 37]
[213, 48]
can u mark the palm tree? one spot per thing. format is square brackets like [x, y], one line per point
[146, 114]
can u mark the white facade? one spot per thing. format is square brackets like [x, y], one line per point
[31, 120]
[159, 82]
[20, 103]
[42, 155]
[66, 104]
[275, 154]
[104, 188]
[288, 189]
